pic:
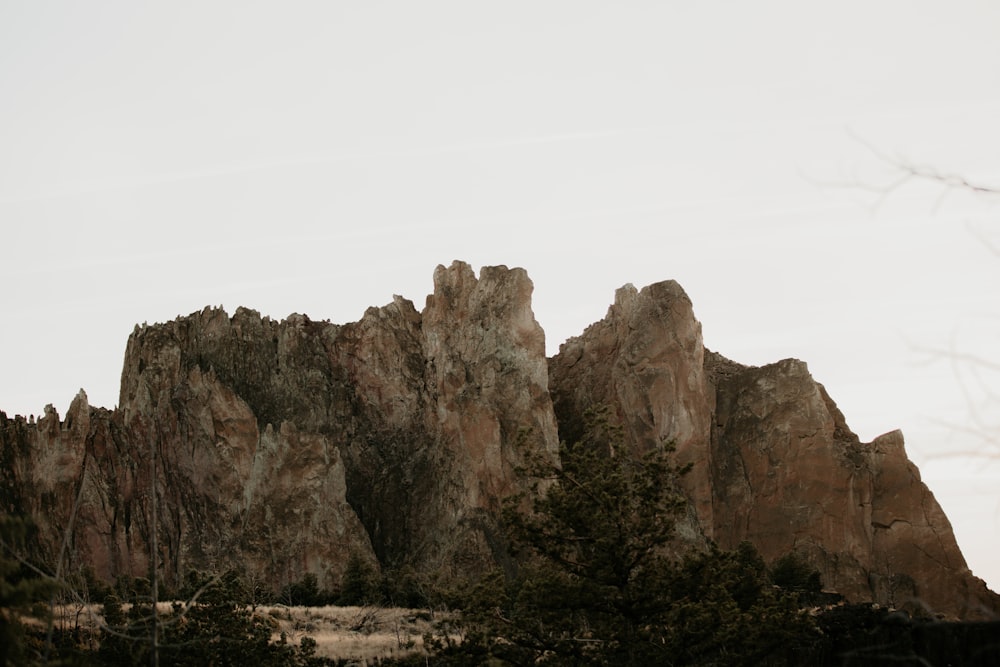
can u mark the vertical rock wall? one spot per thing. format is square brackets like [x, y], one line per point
[773, 460]
[284, 447]
[644, 361]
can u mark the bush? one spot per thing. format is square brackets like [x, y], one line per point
[792, 573]
[306, 593]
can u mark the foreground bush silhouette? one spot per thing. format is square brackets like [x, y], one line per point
[599, 582]
[214, 627]
[23, 596]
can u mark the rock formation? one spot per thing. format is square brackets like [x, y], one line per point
[774, 462]
[285, 447]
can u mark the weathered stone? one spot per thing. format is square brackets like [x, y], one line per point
[788, 475]
[644, 361]
[488, 381]
[285, 447]
[773, 461]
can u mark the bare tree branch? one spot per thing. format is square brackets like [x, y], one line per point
[973, 373]
[909, 170]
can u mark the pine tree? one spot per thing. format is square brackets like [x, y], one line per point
[360, 585]
[602, 580]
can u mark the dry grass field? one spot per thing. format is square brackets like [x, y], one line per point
[354, 633]
[358, 634]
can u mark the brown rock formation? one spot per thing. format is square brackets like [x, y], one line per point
[773, 460]
[793, 477]
[285, 447]
[644, 360]
[487, 378]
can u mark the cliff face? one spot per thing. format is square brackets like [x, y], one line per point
[774, 462]
[285, 447]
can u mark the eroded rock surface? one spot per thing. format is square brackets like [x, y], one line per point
[285, 447]
[645, 362]
[789, 475]
[773, 461]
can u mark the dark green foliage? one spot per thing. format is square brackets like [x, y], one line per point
[404, 587]
[361, 583]
[127, 636]
[133, 589]
[725, 611]
[598, 583]
[792, 573]
[213, 627]
[595, 559]
[218, 629]
[306, 593]
[852, 631]
[194, 584]
[606, 518]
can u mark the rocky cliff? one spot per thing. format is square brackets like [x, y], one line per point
[774, 461]
[286, 447]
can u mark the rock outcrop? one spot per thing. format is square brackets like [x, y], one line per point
[286, 447]
[774, 462]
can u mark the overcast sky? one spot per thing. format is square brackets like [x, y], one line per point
[320, 157]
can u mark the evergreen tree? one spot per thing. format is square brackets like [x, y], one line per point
[600, 581]
[361, 585]
[305, 592]
[725, 611]
[793, 573]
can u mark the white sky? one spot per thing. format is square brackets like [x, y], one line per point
[320, 157]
